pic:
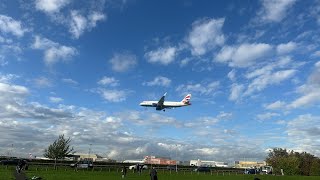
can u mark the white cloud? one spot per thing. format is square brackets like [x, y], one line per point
[9, 25]
[113, 95]
[10, 51]
[70, 81]
[262, 81]
[94, 17]
[163, 56]
[79, 23]
[3, 62]
[203, 89]
[207, 151]
[185, 62]
[224, 116]
[225, 54]
[205, 35]
[244, 55]
[109, 81]
[51, 6]
[278, 105]
[281, 63]
[232, 75]
[267, 116]
[303, 132]
[316, 54]
[236, 92]
[10, 91]
[203, 122]
[55, 99]
[150, 119]
[286, 48]
[272, 73]
[159, 81]
[275, 10]
[315, 11]
[7, 78]
[122, 62]
[310, 93]
[42, 82]
[43, 43]
[53, 52]
[306, 100]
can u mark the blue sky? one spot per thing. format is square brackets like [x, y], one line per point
[81, 69]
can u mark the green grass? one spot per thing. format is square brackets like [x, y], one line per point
[105, 174]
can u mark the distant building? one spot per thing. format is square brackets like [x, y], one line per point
[249, 164]
[91, 157]
[208, 163]
[184, 163]
[42, 158]
[137, 161]
[159, 160]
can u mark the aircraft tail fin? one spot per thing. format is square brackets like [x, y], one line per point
[186, 100]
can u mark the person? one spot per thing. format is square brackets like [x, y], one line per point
[140, 169]
[20, 166]
[124, 171]
[153, 174]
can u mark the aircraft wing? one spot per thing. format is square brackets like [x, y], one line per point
[160, 102]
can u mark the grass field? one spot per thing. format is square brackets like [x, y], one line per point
[69, 174]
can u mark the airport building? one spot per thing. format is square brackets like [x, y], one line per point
[208, 163]
[249, 164]
[134, 161]
[83, 156]
[159, 160]
[91, 157]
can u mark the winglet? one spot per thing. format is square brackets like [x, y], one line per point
[165, 94]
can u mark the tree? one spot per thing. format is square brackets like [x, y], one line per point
[315, 167]
[59, 149]
[293, 163]
[275, 159]
[306, 161]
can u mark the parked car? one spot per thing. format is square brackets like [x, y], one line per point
[10, 162]
[202, 169]
[266, 170]
[15, 162]
[82, 164]
[136, 166]
[250, 171]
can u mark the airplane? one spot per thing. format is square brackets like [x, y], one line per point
[161, 104]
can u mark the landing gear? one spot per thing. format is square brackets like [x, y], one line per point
[164, 110]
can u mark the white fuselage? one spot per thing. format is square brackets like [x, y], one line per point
[166, 104]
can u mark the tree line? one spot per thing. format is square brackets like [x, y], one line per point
[293, 163]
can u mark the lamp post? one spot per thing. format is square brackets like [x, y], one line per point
[89, 152]
[176, 158]
[151, 159]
